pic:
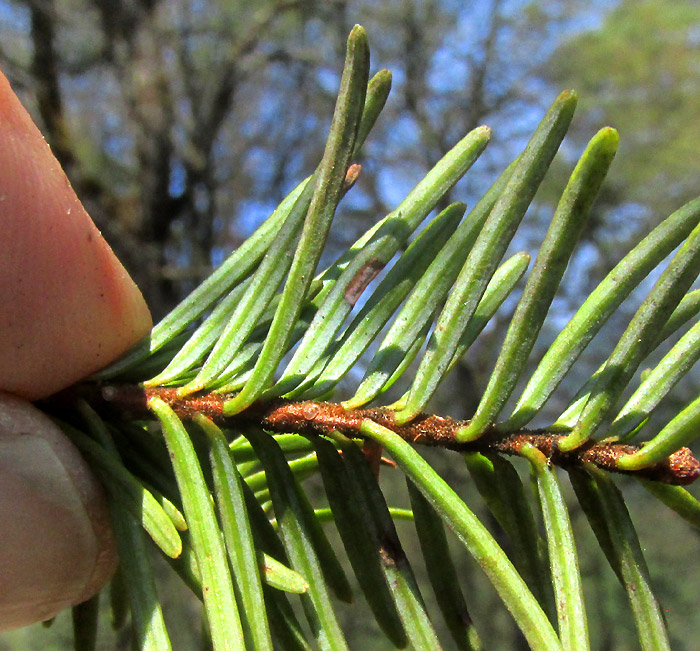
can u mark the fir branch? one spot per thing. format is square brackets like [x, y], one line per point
[311, 418]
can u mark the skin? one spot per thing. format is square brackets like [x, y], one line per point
[68, 309]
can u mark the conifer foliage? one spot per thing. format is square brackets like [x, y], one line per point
[205, 432]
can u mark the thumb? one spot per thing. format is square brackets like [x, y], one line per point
[57, 547]
[68, 309]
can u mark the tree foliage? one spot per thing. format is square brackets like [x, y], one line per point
[181, 123]
[243, 417]
[639, 70]
[203, 133]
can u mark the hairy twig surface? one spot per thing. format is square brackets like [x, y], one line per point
[311, 418]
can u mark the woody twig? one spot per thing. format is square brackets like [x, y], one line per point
[311, 418]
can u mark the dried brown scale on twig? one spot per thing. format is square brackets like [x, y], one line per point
[310, 417]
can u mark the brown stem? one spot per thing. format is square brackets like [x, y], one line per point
[311, 418]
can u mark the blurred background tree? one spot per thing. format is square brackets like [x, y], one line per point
[182, 123]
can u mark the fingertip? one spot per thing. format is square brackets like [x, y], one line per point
[69, 306]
